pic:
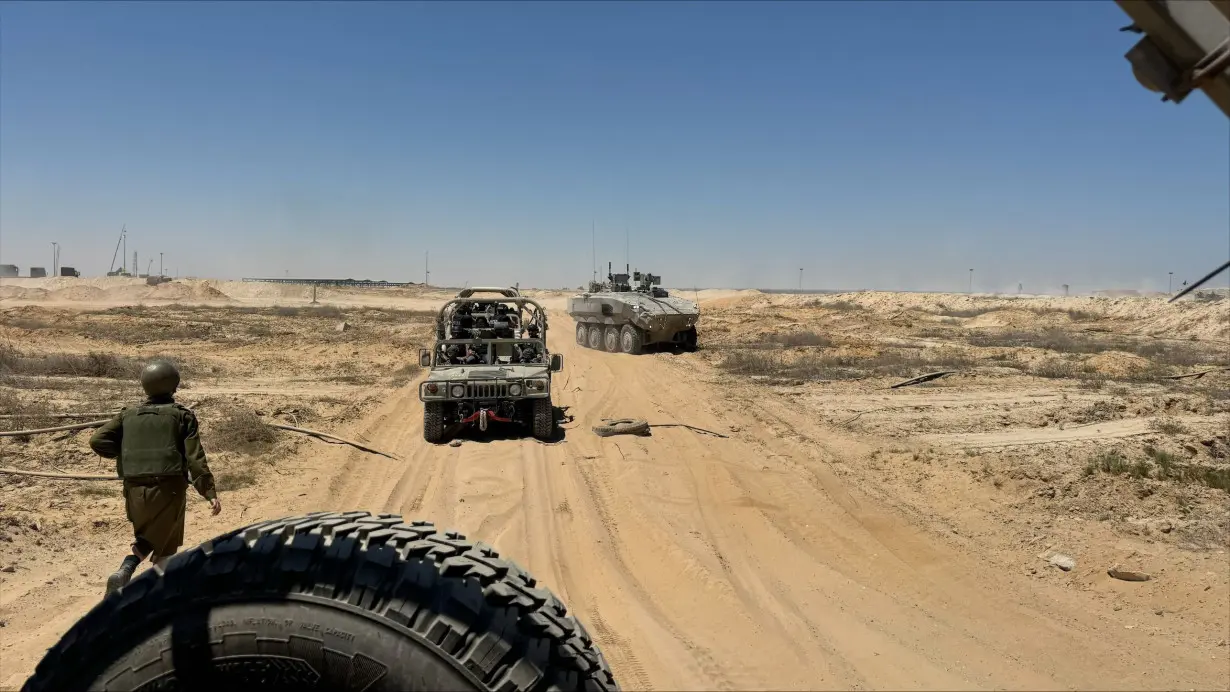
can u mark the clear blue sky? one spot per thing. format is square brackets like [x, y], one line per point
[876, 144]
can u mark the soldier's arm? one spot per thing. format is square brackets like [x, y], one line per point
[198, 468]
[106, 440]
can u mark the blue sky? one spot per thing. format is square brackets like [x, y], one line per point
[886, 145]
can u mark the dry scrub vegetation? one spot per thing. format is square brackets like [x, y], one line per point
[1057, 410]
[241, 366]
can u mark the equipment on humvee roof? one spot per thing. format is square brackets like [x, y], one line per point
[617, 317]
[489, 363]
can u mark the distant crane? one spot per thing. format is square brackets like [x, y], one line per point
[116, 254]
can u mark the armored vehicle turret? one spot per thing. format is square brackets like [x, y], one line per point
[630, 311]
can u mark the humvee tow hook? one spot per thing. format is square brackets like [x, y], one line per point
[482, 416]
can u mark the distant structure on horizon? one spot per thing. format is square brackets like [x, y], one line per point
[359, 283]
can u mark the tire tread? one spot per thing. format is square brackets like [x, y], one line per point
[484, 612]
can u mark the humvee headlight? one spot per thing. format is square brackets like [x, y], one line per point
[458, 391]
[539, 385]
[514, 389]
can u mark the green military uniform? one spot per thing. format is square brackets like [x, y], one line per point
[157, 470]
[157, 448]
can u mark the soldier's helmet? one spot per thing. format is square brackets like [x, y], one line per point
[159, 378]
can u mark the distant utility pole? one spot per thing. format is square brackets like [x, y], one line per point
[1065, 290]
[1170, 286]
[426, 268]
[160, 273]
[800, 278]
[1020, 288]
[593, 239]
[971, 281]
[53, 257]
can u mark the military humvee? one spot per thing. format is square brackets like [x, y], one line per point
[489, 364]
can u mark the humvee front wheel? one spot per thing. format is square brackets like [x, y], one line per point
[544, 419]
[595, 337]
[433, 421]
[329, 601]
[630, 340]
[582, 335]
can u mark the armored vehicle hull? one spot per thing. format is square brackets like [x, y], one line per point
[615, 318]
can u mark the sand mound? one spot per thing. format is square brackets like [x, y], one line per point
[207, 291]
[1117, 364]
[78, 293]
[21, 293]
[1019, 319]
[169, 291]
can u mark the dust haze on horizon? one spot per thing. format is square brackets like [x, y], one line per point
[723, 149]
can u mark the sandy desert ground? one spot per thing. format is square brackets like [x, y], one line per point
[839, 534]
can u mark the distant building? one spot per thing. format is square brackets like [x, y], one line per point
[69, 271]
[38, 272]
[8, 271]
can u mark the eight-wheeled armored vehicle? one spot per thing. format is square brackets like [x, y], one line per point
[617, 317]
[489, 364]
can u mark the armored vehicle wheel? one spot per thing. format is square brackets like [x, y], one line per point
[433, 421]
[689, 339]
[631, 341]
[610, 339]
[582, 334]
[595, 336]
[329, 601]
[544, 419]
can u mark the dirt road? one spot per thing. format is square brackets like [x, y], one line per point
[697, 562]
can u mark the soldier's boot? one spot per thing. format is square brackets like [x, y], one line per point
[122, 575]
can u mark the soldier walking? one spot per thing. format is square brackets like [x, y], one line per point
[157, 450]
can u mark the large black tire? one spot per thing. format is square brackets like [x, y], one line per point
[623, 426]
[582, 334]
[690, 339]
[433, 421]
[595, 336]
[631, 340]
[544, 419]
[610, 339]
[329, 601]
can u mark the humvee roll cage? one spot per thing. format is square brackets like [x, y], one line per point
[506, 292]
[520, 301]
[428, 358]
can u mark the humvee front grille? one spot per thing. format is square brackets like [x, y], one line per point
[486, 390]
